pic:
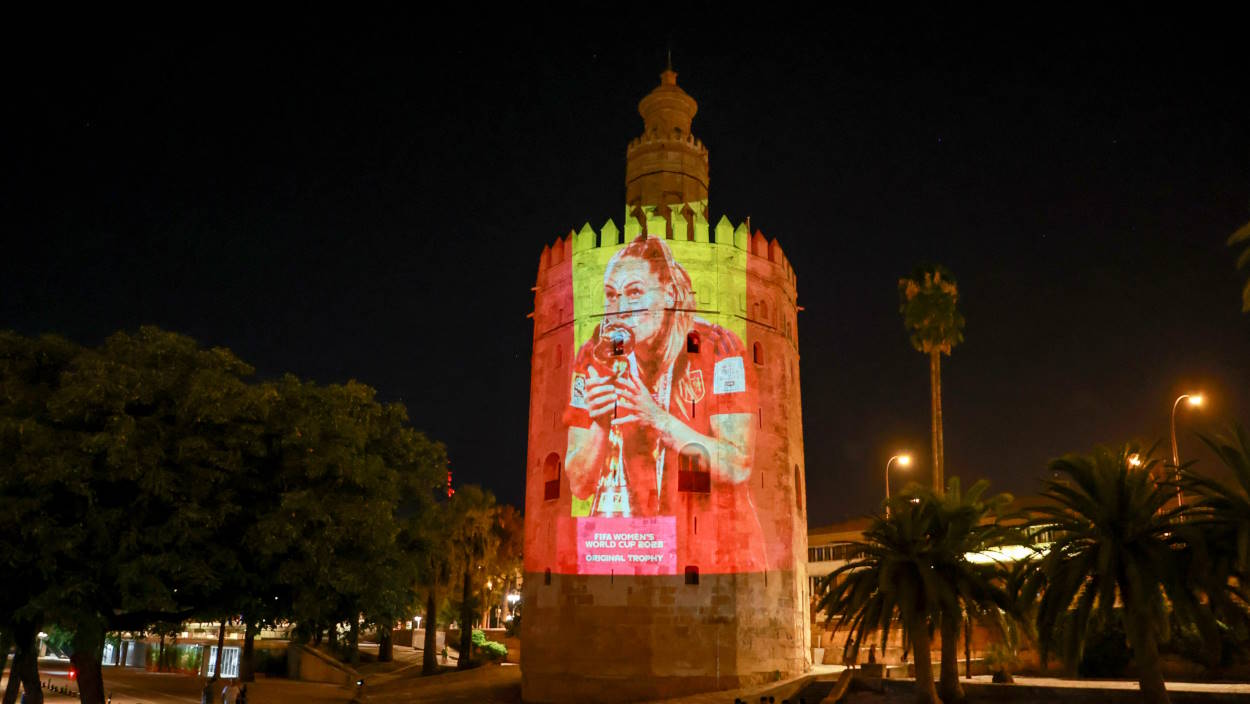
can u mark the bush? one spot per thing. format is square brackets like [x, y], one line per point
[493, 650]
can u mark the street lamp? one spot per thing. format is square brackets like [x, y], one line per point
[903, 460]
[1195, 400]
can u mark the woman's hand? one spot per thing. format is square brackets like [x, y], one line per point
[600, 397]
[636, 400]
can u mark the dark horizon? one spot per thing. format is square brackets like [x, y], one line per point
[370, 202]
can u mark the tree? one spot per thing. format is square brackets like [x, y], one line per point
[965, 524]
[471, 519]
[1242, 236]
[34, 473]
[345, 559]
[927, 300]
[434, 569]
[1114, 540]
[504, 564]
[152, 452]
[892, 576]
[1218, 526]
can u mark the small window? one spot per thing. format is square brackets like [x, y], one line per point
[757, 353]
[547, 577]
[763, 310]
[692, 574]
[551, 477]
[559, 355]
[694, 470]
[692, 343]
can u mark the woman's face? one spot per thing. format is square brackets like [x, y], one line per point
[634, 297]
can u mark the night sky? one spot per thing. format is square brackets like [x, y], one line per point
[342, 199]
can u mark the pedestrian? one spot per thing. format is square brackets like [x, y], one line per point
[242, 695]
[230, 692]
[206, 696]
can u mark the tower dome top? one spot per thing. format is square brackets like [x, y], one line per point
[666, 165]
[667, 111]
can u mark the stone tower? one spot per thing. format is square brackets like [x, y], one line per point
[665, 521]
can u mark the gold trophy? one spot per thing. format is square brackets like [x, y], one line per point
[616, 342]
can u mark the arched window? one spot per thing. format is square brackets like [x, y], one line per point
[692, 342]
[618, 345]
[694, 467]
[692, 574]
[551, 477]
[763, 310]
[798, 488]
[757, 353]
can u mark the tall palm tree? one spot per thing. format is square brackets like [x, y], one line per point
[1242, 236]
[967, 524]
[927, 300]
[1114, 540]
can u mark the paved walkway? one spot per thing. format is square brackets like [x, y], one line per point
[491, 684]
[1223, 687]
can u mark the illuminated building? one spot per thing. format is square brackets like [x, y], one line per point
[665, 521]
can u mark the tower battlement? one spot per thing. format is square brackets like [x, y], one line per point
[672, 226]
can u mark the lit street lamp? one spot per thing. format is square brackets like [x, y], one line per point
[903, 459]
[1195, 400]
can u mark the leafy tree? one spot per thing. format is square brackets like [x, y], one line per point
[927, 300]
[154, 416]
[346, 466]
[36, 534]
[1242, 236]
[1114, 540]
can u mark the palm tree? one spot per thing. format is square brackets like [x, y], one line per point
[471, 522]
[1220, 515]
[891, 577]
[1242, 235]
[913, 566]
[434, 570]
[1114, 540]
[927, 301]
[966, 524]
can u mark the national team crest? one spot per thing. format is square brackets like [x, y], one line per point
[577, 397]
[692, 386]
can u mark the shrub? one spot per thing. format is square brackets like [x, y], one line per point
[493, 650]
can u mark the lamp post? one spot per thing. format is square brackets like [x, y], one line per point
[903, 460]
[1195, 400]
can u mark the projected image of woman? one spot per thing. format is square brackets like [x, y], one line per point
[656, 393]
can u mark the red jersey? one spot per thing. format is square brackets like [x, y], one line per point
[716, 523]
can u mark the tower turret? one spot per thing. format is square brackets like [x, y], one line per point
[666, 165]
